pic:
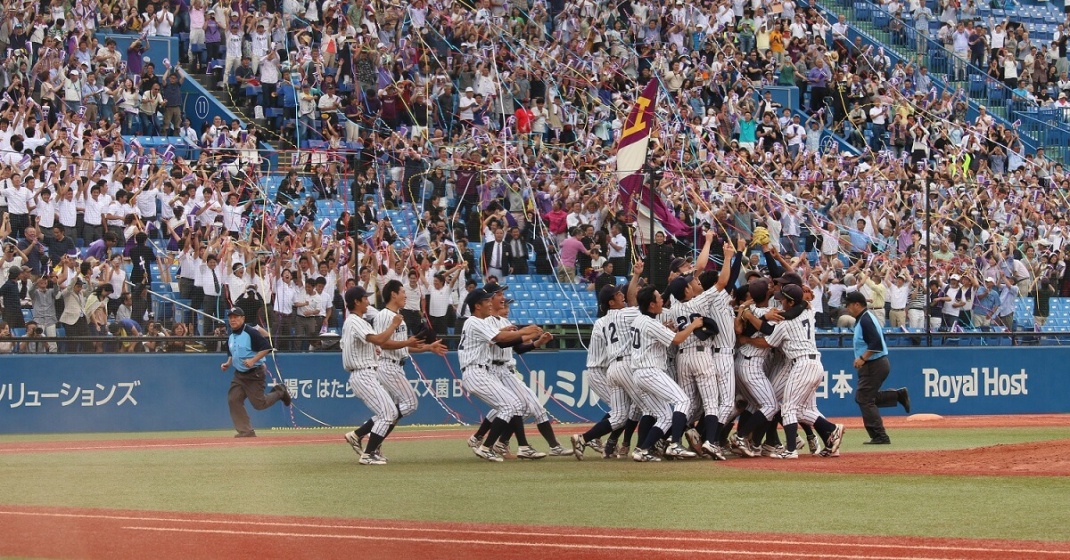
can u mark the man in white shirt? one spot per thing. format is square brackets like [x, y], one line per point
[212, 276]
[466, 106]
[19, 198]
[163, 20]
[309, 314]
[260, 45]
[233, 38]
[414, 303]
[794, 135]
[45, 210]
[878, 118]
[898, 292]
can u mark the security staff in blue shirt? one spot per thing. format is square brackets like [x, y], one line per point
[871, 361]
[247, 350]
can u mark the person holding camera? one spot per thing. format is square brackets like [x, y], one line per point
[32, 343]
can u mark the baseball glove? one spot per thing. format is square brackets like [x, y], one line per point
[760, 237]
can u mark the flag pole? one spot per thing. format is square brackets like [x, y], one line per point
[650, 253]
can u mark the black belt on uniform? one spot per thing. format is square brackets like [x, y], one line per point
[476, 366]
[393, 361]
[805, 357]
[701, 348]
[498, 362]
[900, 309]
[620, 359]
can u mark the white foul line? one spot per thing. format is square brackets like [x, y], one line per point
[523, 533]
[622, 548]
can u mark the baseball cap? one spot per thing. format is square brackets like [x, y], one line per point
[708, 330]
[854, 297]
[759, 290]
[354, 294]
[475, 297]
[956, 277]
[789, 278]
[678, 263]
[606, 295]
[678, 286]
[235, 311]
[990, 279]
[510, 301]
[494, 288]
[792, 293]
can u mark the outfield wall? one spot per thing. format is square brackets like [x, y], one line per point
[146, 392]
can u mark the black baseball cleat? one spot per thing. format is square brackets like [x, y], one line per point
[904, 398]
[285, 398]
[878, 441]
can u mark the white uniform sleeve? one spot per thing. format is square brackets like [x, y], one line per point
[779, 335]
[658, 332]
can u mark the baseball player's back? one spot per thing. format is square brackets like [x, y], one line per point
[618, 332]
[474, 347]
[357, 352]
[382, 321]
[650, 343]
[796, 337]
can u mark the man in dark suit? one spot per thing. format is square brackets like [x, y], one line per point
[606, 278]
[658, 258]
[583, 261]
[517, 247]
[495, 255]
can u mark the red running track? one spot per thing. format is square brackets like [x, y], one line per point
[108, 534]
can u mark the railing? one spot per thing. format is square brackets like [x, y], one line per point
[566, 337]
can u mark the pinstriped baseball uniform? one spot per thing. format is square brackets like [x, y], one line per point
[598, 361]
[705, 368]
[624, 392]
[392, 364]
[360, 359]
[512, 380]
[475, 353]
[754, 384]
[795, 337]
[651, 341]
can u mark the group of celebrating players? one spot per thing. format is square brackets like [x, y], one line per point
[678, 368]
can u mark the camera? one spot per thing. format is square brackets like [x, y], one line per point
[38, 331]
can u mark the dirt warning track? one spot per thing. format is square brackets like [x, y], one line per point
[105, 534]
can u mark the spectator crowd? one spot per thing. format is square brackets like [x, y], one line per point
[495, 123]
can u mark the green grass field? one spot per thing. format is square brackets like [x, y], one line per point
[440, 479]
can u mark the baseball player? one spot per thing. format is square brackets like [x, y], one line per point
[778, 366]
[795, 337]
[750, 374]
[668, 402]
[505, 366]
[610, 346]
[359, 341]
[391, 369]
[476, 357]
[704, 367]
